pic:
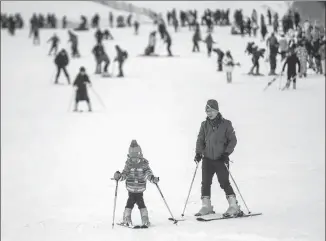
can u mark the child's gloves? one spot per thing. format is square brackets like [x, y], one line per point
[117, 176]
[154, 179]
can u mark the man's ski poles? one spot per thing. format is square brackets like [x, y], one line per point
[190, 190]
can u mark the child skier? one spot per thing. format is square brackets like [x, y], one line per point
[136, 172]
[229, 65]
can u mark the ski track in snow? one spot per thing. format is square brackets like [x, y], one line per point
[56, 165]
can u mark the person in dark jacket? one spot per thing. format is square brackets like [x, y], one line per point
[73, 38]
[220, 56]
[168, 41]
[81, 82]
[273, 45]
[195, 39]
[209, 44]
[215, 143]
[55, 40]
[136, 27]
[61, 61]
[99, 36]
[291, 61]
[120, 58]
[100, 57]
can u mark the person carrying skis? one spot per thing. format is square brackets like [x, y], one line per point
[136, 172]
[55, 40]
[61, 61]
[120, 58]
[291, 61]
[81, 82]
[215, 143]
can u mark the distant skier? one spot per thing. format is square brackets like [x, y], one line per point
[54, 47]
[100, 57]
[122, 55]
[150, 49]
[136, 27]
[99, 36]
[195, 39]
[209, 44]
[220, 56]
[107, 35]
[74, 44]
[256, 55]
[229, 65]
[291, 62]
[303, 56]
[273, 45]
[36, 35]
[81, 82]
[62, 61]
[136, 173]
[215, 143]
[168, 41]
[175, 23]
[11, 25]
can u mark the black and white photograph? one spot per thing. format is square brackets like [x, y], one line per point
[184, 120]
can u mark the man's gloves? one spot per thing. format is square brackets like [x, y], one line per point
[198, 157]
[224, 157]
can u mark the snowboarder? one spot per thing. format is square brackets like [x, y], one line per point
[215, 143]
[81, 82]
[120, 58]
[136, 172]
[61, 61]
[100, 57]
[55, 40]
[291, 62]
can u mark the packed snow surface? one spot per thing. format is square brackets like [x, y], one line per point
[56, 165]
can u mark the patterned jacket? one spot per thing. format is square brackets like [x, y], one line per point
[136, 172]
[302, 53]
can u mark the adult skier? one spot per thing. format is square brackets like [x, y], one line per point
[220, 56]
[273, 45]
[215, 143]
[168, 41]
[54, 47]
[81, 82]
[122, 55]
[74, 44]
[209, 44]
[291, 62]
[136, 172]
[62, 61]
[100, 57]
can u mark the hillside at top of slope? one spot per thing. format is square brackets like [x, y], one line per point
[72, 9]
[247, 6]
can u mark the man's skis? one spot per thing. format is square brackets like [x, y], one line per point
[133, 226]
[220, 217]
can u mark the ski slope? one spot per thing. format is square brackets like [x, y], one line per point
[56, 165]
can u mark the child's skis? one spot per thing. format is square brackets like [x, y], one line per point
[270, 83]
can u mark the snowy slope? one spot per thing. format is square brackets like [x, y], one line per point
[72, 10]
[201, 6]
[56, 165]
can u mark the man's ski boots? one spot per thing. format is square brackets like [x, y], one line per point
[234, 209]
[206, 208]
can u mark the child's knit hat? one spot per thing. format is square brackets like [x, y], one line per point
[134, 149]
